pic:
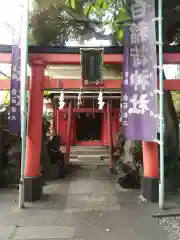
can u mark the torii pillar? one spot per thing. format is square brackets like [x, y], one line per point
[150, 183]
[33, 179]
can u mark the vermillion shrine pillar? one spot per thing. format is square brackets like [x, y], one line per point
[69, 132]
[109, 123]
[150, 183]
[33, 179]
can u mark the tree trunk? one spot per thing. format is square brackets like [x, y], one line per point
[126, 162]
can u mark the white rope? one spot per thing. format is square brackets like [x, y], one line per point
[100, 100]
[79, 98]
[61, 100]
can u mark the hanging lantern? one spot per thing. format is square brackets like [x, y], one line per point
[91, 64]
[61, 101]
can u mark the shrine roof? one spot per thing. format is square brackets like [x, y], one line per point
[76, 50]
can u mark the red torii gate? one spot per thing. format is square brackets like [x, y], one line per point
[38, 58]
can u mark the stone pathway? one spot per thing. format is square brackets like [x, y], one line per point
[84, 207]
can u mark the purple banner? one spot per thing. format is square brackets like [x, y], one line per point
[15, 87]
[139, 104]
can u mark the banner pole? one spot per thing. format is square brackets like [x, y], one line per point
[24, 62]
[161, 107]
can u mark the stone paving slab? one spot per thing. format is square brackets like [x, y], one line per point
[80, 218]
[88, 186]
[103, 233]
[30, 217]
[129, 222]
[6, 232]
[37, 220]
[91, 202]
[81, 209]
[46, 232]
[51, 239]
[92, 175]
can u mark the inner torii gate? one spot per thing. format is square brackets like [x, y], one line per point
[39, 58]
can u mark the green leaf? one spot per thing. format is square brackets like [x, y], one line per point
[73, 4]
[122, 15]
[105, 5]
[98, 2]
[120, 34]
[86, 9]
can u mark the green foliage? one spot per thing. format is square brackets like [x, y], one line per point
[7, 99]
[113, 15]
[54, 22]
[47, 94]
[73, 4]
[57, 22]
[138, 147]
[47, 116]
[176, 100]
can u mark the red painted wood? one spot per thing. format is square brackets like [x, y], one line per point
[104, 130]
[150, 159]
[54, 58]
[104, 134]
[62, 128]
[82, 110]
[69, 131]
[109, 129]
[171, 84]
[73, 135]
[90, 143]
[34, 129]
[75, 84]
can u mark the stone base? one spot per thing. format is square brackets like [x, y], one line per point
[150, 189]
[33, 188]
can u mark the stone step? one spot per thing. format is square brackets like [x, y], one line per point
[82, 165]
[93, 167]
[90, 151]
[89, 148]
[87, 165]
[93, 161]
[89, 156]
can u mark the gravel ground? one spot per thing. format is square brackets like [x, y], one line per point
[172, 226]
